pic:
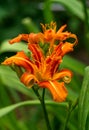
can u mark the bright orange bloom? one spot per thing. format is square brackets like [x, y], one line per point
[49, 35]
[42, 69]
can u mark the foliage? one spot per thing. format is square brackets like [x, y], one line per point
[19, 107]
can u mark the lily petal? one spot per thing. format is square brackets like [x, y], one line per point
[52, 66]
[35, 38]
[28, 79]
[22, 60]
[19, 38]
[61, 29]
[66, 47]
[58, 90]
[37, 54]
[64, 74]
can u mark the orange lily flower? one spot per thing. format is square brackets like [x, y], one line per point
[49, 35]
[41, 69]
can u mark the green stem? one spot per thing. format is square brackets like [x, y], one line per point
[70, 109]
[43, 106]
[43, 94]
[45, 111]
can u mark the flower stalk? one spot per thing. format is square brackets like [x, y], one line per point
[41, 99]
[71, 107]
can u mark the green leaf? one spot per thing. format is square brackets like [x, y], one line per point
[74, 6]
[47, 11]
[6, 110]
[73, 64]
[84, 101]
[6, 47]
[9, 78]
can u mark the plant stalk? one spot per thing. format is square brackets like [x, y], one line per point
[43, 107]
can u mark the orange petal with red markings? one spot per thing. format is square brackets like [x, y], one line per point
[58, 90]
[37, 54]
[20, 59]
[52, 66]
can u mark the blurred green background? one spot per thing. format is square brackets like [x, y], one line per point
[25, 16]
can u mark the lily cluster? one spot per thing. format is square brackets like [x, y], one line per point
[43, 68]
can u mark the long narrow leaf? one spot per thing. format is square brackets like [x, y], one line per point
[6, 110]
[10, 79]
[48, 16]
[84, 101]
[74, 64]
[6, 47]
[74, 6]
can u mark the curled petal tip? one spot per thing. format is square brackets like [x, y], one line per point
[67, 79]
[28, 79]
